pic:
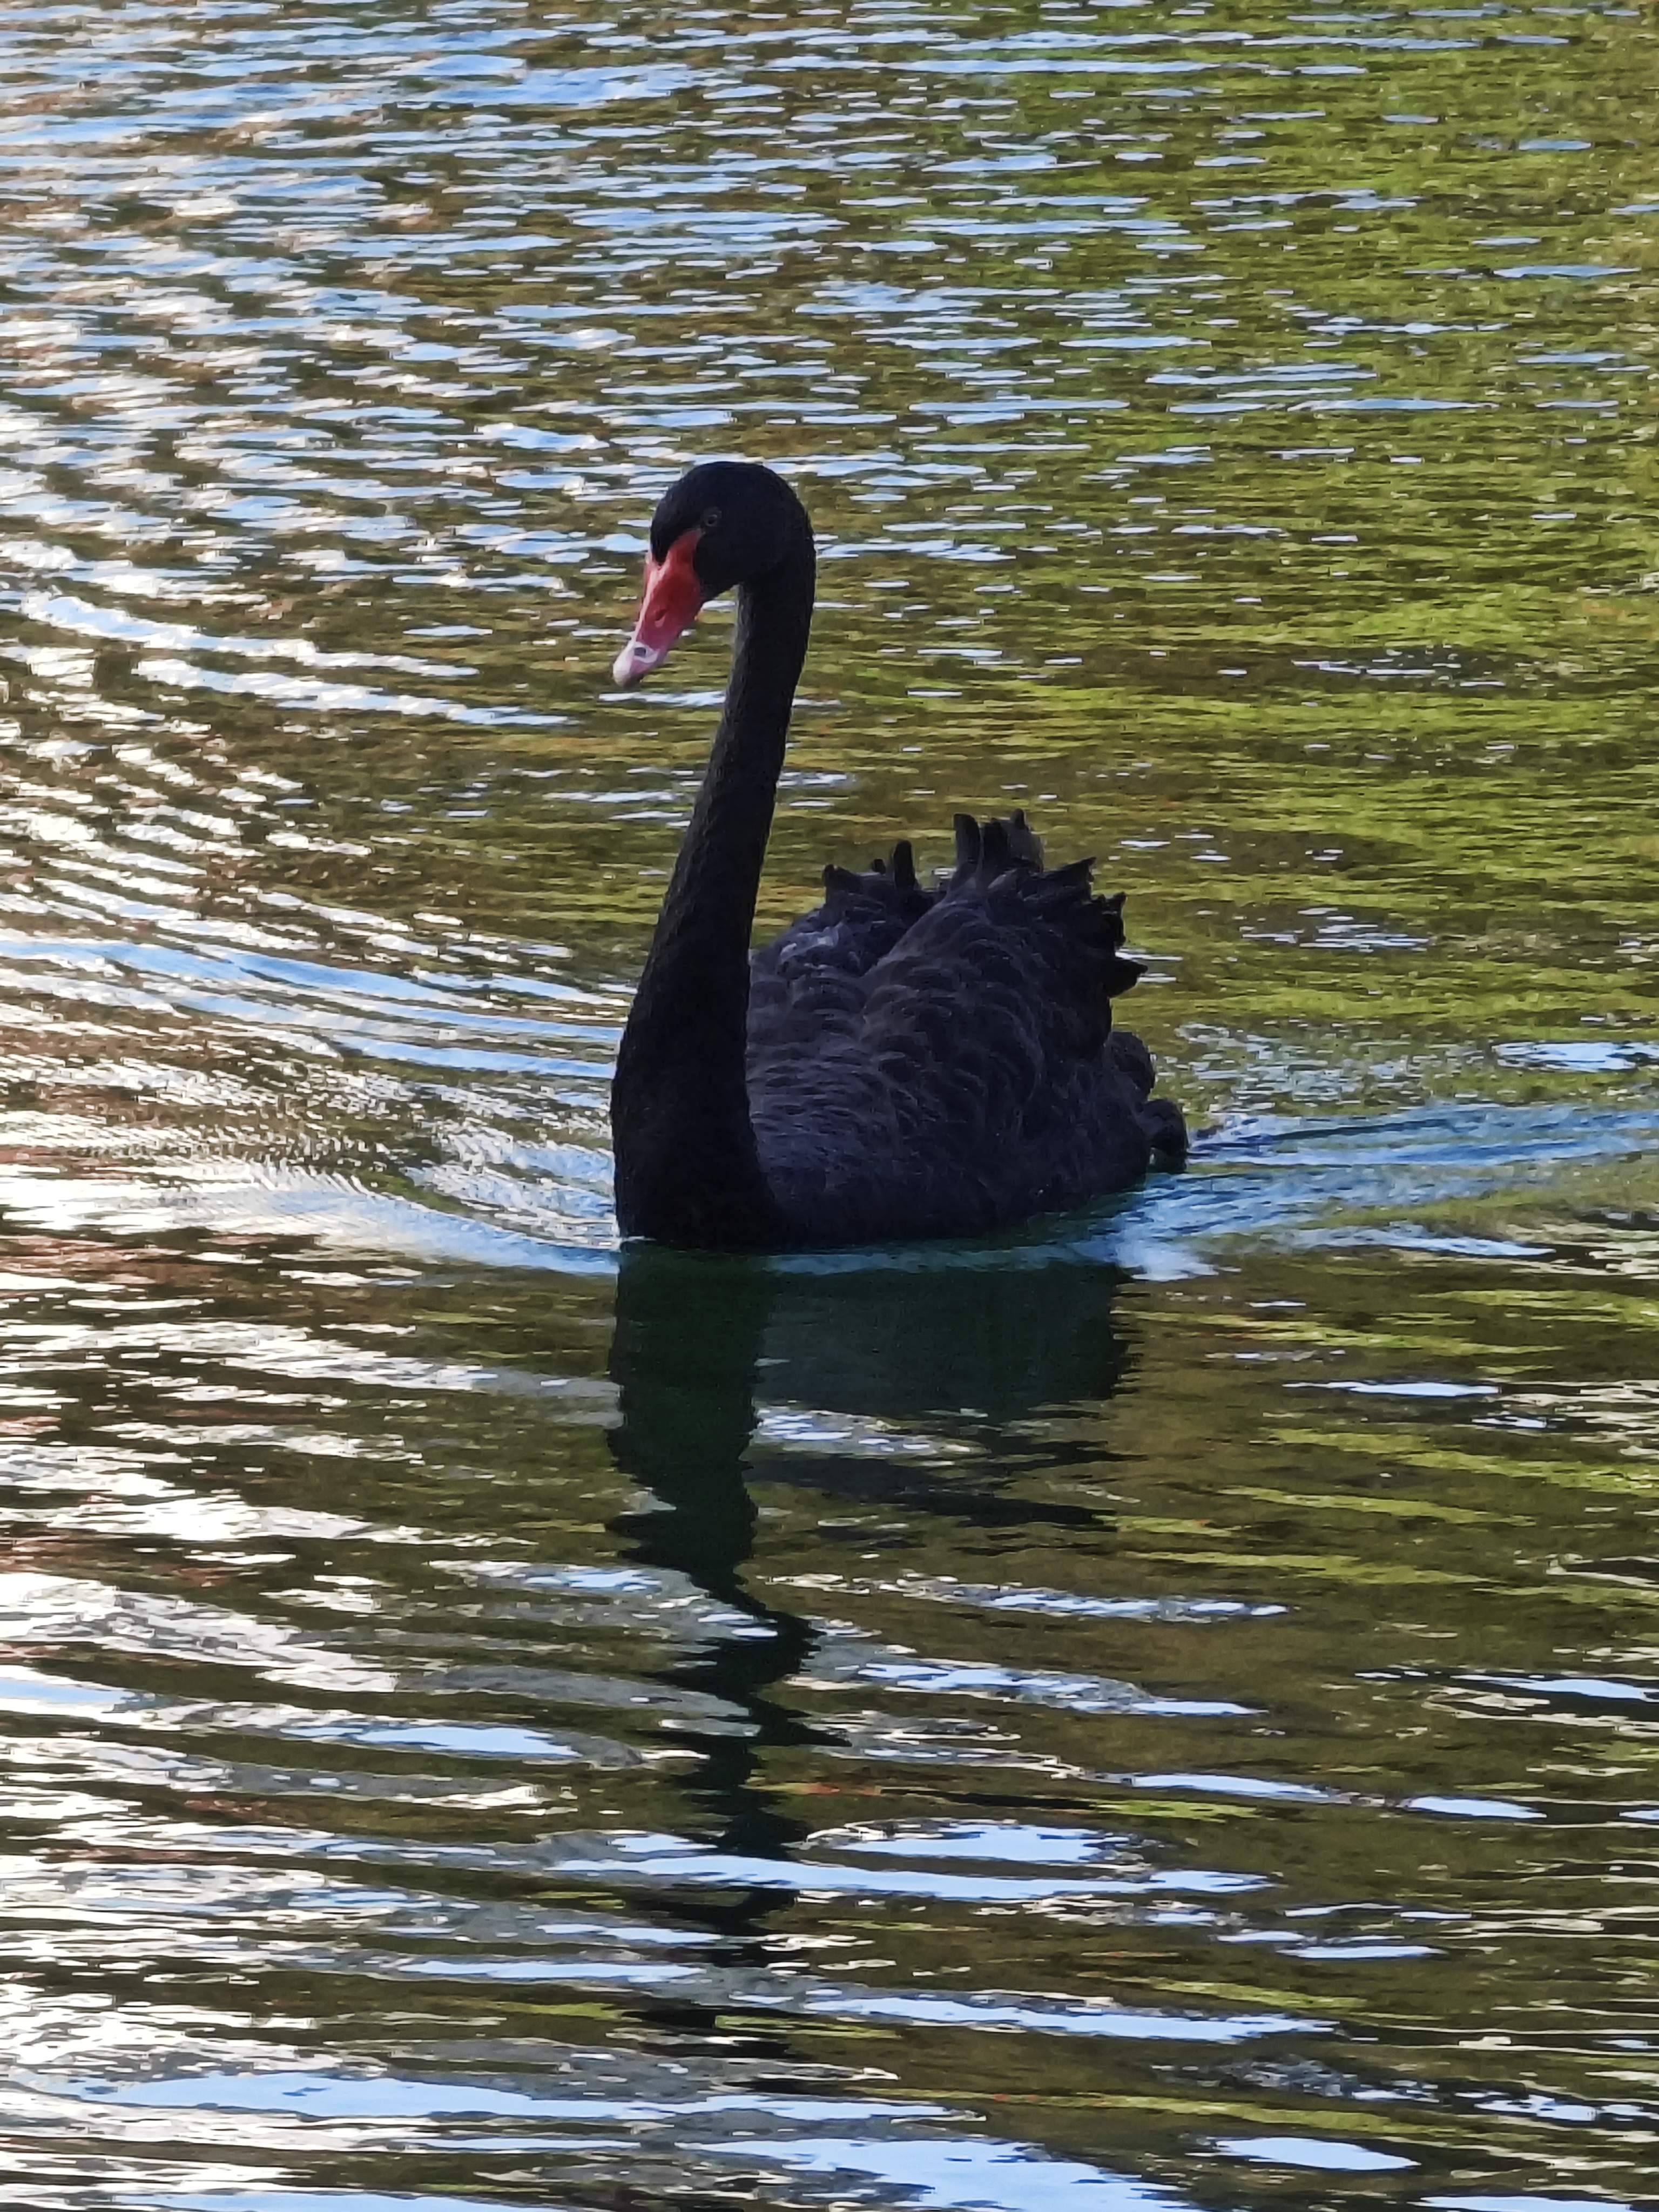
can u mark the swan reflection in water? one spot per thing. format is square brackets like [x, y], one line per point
[854, 1382]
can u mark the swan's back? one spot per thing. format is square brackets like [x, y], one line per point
[925, 1063]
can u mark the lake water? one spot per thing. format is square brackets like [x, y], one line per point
[1160, 1714]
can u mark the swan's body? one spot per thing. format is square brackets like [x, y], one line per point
[903, 1062]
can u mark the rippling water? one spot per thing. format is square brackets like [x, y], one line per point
[1155, 1715]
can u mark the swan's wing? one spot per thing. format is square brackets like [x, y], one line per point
[972, 1082]
[999, 994]
[811, 978]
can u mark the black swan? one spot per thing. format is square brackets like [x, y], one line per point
[903, 1062]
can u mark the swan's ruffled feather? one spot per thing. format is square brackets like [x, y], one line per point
[927, 1062]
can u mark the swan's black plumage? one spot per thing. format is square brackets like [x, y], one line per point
[907, 1060]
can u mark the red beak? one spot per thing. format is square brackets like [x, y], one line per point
[672, 601]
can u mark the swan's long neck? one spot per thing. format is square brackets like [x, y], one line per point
[687, 1168]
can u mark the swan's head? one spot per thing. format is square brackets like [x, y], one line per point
[725, 524]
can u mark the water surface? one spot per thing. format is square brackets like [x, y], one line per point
[1156, 1713]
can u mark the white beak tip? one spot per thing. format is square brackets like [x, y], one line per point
[634, 661]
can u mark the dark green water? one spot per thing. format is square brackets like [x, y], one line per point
[1159, 1716]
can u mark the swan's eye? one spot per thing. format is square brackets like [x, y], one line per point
[710, 520]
